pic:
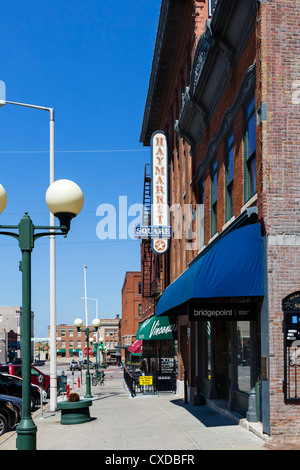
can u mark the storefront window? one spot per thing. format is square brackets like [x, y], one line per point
[229, 176]
[243, 356]
[214, 193]
[201, 218]
[160, 356]
[249, 149]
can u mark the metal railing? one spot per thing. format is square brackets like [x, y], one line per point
[165, 383]
[160, 383]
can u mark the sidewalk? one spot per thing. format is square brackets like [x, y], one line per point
[120, 423]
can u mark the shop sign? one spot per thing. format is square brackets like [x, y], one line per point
[157, 328]
[146, 380]
[291, 302]
[145, 231]
[159, 189]
[291, 329]
[230, 312]
[291, 309]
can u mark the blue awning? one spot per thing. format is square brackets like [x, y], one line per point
[233, 267]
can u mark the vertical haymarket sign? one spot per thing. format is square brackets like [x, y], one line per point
[159, 190]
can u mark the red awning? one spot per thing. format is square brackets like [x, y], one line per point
[136, 347]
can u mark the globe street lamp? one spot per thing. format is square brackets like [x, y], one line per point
[96, 323]
[71, 203]
[53, 381]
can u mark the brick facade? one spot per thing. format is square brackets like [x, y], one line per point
[70, 341]
[264, 63]
[131, 307]
[280, 65]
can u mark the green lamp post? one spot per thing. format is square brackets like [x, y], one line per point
[98, 346]
[96, 323]
[65, 200]
[95, 350]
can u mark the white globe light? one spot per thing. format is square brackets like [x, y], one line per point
[78, 322]
[64, 196]
[3, 199]
[96, 323]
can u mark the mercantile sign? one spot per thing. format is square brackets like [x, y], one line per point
[159, 189]
[157, 328]
[145, 231]
[234, 312]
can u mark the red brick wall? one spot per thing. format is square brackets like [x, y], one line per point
[180, 189]
[275, 45]
[234, 82]
[180, 161]
[280, 59]
[130, 304]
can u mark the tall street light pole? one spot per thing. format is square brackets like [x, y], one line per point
[85, 297]
[96, 300]
[87, 332]
[65, 200]
[53, 367]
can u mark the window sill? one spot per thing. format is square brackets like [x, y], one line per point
[249, 202]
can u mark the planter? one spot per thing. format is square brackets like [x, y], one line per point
[75, 412]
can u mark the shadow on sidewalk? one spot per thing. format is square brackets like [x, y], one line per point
[205, 414]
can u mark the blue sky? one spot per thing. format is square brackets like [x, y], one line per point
[91, 61]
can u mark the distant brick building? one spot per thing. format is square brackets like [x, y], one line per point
[70, 343]
[131, 308]
[224, 87]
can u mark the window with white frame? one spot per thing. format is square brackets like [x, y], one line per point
[214, 192]
[250, 148]
[229, 176]
[211, 6]
[201, 213]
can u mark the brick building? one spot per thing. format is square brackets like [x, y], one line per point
[131, 308]
[223, 88]
[70, 342]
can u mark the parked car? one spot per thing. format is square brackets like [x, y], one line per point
[16, 369]
[8, 415]
[74, 365]
[83, 364]
[17, 402]
[38, 362]
[38, 388]
[8, 386]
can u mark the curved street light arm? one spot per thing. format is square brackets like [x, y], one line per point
[43, 108]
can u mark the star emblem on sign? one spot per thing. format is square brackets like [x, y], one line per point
[160, 245]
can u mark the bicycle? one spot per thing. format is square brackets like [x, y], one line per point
[100, 379]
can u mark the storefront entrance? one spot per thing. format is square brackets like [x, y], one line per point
[229, 359]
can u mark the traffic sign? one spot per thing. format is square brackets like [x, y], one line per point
[85, 351]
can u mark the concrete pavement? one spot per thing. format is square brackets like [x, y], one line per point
[121, 423]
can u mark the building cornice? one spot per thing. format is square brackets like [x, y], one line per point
[167, 33]
[217, 51]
